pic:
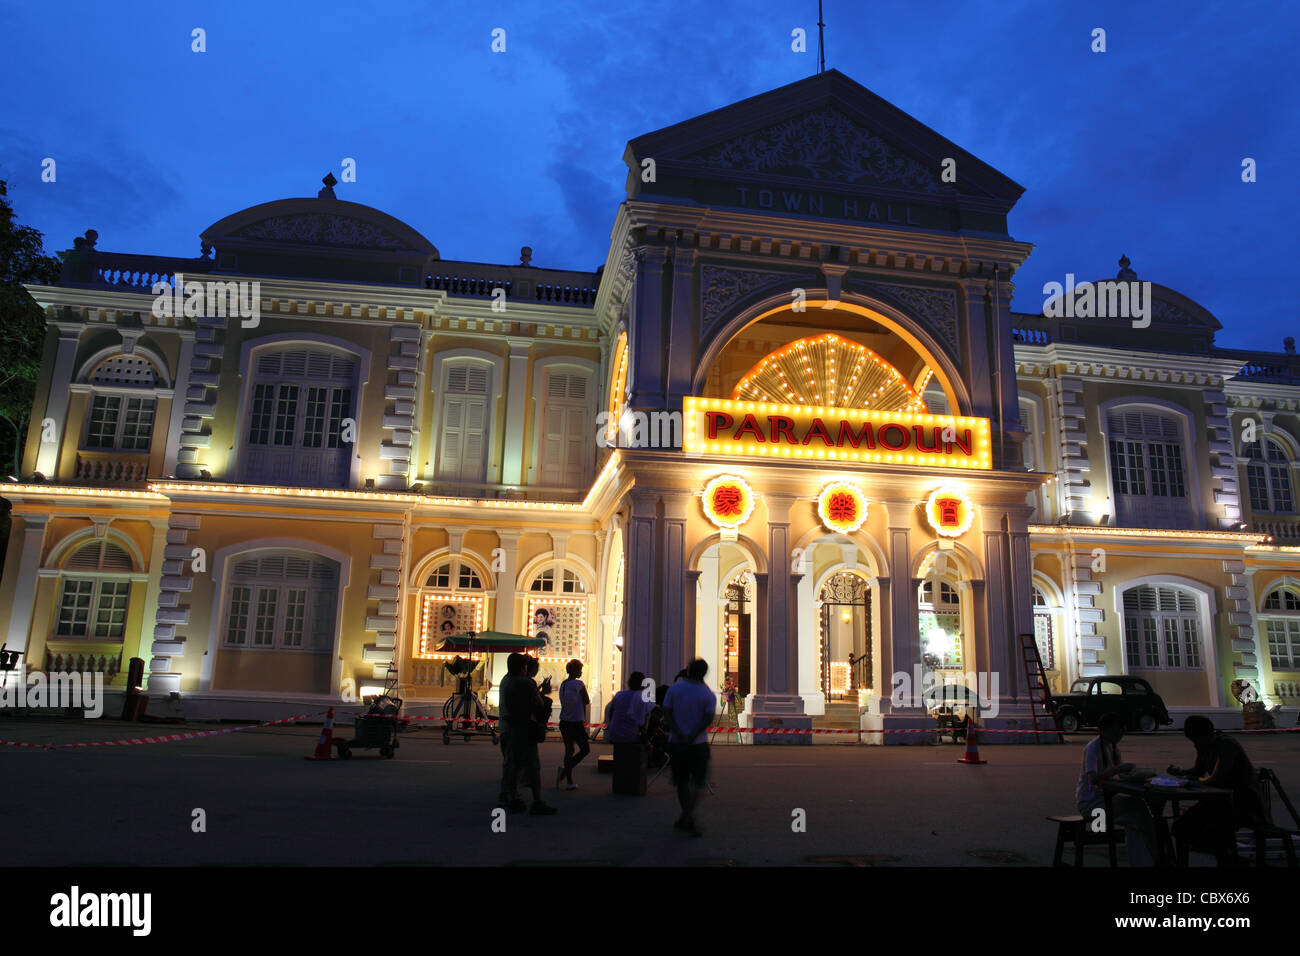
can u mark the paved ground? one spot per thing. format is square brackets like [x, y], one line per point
[909, 806]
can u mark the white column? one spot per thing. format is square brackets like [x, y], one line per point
[814, 700]
[29, 563]
[56, 407]
[180, 385]
[512, 457]
[504, 619]
[708, 617]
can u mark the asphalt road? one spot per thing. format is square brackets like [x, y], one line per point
[432, 804]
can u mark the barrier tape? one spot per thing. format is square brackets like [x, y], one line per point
[461, 722]
[456, 725]
[165, 738]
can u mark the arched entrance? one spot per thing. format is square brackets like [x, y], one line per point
[845, 638]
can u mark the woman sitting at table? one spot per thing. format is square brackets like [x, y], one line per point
[1101, 762]
[1220, 762]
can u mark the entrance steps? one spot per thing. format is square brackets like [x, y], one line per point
[840, 715]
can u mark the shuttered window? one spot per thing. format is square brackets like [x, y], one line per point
[1268, 476]
[462, 438]
[1147, 471]
[1281, 622]
[567, 441]
[283, 601]
[92, 603]
[1162, 628]
[298, 403]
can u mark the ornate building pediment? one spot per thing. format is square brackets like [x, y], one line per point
[823, 145]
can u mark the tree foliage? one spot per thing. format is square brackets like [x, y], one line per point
[22, 327]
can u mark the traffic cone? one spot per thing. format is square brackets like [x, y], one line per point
[325, 746]
[972, 751]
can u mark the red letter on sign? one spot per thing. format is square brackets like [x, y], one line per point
[749, 426]
[781, 429]
[818, 429]
[716, 420]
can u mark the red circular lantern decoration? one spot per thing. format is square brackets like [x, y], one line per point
[842, 507]
[728, 501]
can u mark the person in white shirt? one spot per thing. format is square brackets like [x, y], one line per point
[690, 707]
[574, 705]
[1101, 761]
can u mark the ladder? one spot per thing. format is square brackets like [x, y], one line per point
[1041, 709]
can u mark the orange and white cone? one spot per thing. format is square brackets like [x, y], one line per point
[325, 746]
[972, 751]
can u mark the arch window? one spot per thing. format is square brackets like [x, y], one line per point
[1281, 620]
[94, 595]
[1043, 631]
[1162, 628]
[566, 430]
[299, 400]
[939, 623]
[1148, 472]
[452, 604]
[282, 601]
[561, 622]
[568, 582]
[462, 437]
[116, 420]
[1268, 475]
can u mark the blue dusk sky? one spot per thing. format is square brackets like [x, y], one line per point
[1137, 150]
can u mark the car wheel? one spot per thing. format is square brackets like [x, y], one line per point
[1147, 723]
[1069, 723]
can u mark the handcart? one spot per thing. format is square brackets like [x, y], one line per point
[379, 725]
[952, 705]
[464, 713]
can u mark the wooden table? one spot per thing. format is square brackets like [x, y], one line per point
[1155, 798]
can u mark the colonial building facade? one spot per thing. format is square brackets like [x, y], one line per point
[793, 425]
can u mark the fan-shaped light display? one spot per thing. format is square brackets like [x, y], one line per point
[830, 371]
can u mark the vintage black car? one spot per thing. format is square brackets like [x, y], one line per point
[1130, 697]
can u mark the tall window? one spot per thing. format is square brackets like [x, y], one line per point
[1162, 628]
[566, 438]
[1281, 620]
[452, 605]
[939, 623]
[1043, 634]
[117, 420]
[1148, 472]
[298, 404]
[462, 441]
[1268, 475]
[283, 601]
[94, 594]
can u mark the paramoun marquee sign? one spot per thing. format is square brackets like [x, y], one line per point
[715, 426]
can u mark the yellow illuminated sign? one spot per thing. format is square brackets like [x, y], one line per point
[730, 427]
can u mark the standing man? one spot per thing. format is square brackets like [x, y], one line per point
[690, 707]
[524, 705]
[574, 705]
[509, 795]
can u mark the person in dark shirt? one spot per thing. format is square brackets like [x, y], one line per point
[523, 703]
[509, 795]
[1221, 761]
